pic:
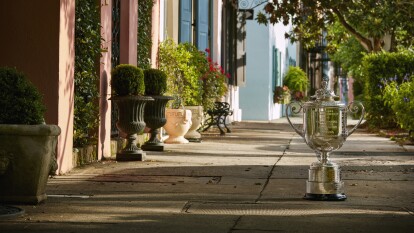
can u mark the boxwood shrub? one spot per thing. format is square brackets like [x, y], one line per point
[155, 82]
[20, 101]
[127, 80]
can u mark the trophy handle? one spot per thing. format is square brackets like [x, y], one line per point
[355, 109]
[289, 106]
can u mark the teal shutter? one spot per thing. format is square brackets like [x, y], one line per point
[202, 24]
[185, 26]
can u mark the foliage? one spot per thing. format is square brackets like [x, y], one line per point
[400, 98]
[192, 77]
[87, 52]
[127, 80]
[368, 21]
[295, 79]
[281, 95]
[20, 101]
[155, 82]
[144, 33]
[214, 81]
[379, 67]
[183, 77]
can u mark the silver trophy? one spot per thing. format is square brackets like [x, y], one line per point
[325, 130]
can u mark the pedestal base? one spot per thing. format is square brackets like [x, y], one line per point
[153, 147]
[324, 183]
[325, 197]
[136, 156]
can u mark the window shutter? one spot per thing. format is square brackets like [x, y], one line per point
[202, 24]
[185, 21]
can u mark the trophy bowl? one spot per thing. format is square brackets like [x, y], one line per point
[325, 130]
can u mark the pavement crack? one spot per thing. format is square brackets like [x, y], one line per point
[271, 173]
[235, 224]
[186, 207]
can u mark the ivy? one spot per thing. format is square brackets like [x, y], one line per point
[87, 52]
[144, 33]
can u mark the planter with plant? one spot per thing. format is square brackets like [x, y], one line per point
[297, 81]
[154, 114]
[128, 86]
[27, 144]
[174, 60]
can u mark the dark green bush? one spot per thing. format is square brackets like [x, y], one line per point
[127, 80]
[20, 101]
[377, 68]
[87, 53]
[155, 82]
[144, 33]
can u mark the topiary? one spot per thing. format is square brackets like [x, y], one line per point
[20, 101]
[155, 82]
[127, 80]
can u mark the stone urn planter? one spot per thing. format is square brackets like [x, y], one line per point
[178, 124]
[131, 123]
[27, 157]
[197, 119]
[154, 117]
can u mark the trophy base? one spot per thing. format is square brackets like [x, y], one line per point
[325, 183]
[325, 197]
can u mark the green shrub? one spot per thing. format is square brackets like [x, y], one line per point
[183, 75]
[192, 77]
[20, 101]
[295, 79]
[155, 82]
[87, 52]
[400, 98]
[144, 33]
[376, 68]
[127, 80]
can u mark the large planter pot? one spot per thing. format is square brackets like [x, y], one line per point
[154, 117]
[27, 157]
[131, 123]
[178, 124]
[197, 119]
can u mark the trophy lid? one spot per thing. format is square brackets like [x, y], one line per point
[324, 98]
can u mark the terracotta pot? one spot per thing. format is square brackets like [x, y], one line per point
[196, 119]
[178, 124]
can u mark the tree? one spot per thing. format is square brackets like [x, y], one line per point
[375, 24]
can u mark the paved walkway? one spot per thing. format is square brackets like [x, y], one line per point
[249, 181]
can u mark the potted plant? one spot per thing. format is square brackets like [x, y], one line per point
[27, 144]
[154, 114]
[297, 81]
[174, 60]
[128, 86]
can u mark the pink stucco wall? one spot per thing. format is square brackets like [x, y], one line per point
[128, 33]
[37, 38]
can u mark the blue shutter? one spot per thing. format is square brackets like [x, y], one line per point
[202, 23]
[185, 21]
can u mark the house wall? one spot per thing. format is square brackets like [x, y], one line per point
[41, 44]
[171, 19]
[254, 97]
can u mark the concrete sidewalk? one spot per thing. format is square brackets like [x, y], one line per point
[249, 181]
